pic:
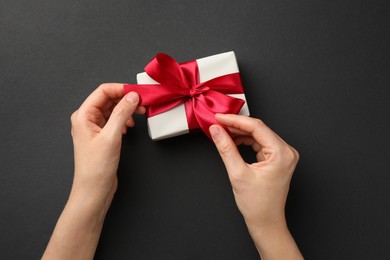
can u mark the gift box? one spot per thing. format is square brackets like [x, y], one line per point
[207, 86]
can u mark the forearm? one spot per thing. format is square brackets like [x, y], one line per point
[78, 229]
[274, 241]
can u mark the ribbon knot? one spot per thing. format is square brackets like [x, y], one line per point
[198, 89]
[180, 83]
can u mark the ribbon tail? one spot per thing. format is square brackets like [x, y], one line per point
[205, 107]
[157, 98]
[226, 84]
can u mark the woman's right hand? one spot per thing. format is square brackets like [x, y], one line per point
[260, 189]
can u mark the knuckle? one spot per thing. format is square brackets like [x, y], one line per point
[103, 85]
[257, 123]
[291, 155]
[110, 140]
[296, 154]
[77, 121]
[73, 123]
[239, 180]
[118, 111]
[224, 148]
[74, 119]
[238, 175]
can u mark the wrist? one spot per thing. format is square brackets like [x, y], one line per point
[273, 240]
[90, 200]
[264, 228]
[95, 190]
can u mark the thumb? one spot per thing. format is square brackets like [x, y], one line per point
[121, 113]
[227, 149]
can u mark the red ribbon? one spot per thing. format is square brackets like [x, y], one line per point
[179, 83]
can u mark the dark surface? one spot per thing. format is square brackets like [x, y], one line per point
[316, 72]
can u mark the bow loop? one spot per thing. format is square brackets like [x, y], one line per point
[165, 70]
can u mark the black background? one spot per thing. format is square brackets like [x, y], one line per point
[317, 72]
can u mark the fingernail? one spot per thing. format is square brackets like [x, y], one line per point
[215, 133]
[132, 97]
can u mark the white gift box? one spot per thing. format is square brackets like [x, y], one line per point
[174, 121]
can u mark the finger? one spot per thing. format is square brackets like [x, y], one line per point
[227, 149]
[121, 114]
[140, 110]
[255, 127]
[105, 95]
[249, 141]
[130, 122]
[124, 130]
[237, 132]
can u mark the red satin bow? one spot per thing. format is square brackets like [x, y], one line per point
[179, 83]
